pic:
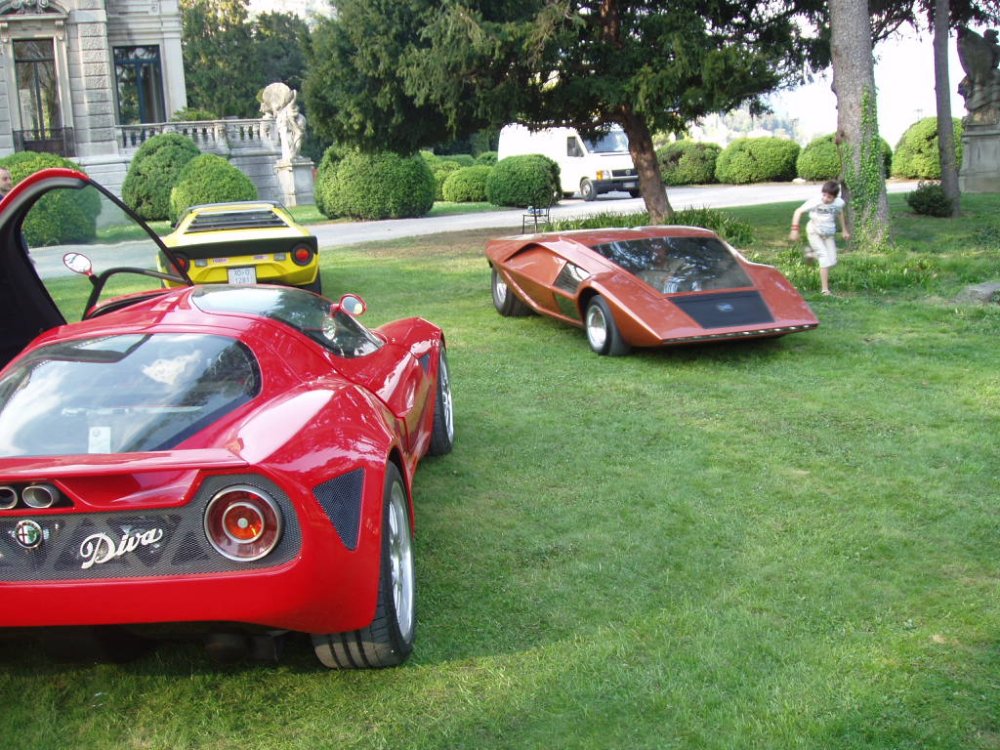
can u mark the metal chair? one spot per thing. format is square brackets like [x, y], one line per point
[535, 216]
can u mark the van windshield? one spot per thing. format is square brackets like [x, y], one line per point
[613, 141]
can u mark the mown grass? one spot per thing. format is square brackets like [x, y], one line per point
[779, 544]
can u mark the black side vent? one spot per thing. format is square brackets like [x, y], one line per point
[341, 500]
[726, 309]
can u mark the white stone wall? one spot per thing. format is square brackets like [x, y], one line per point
[91, 82]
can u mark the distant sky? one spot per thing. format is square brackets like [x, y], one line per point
[904, 78]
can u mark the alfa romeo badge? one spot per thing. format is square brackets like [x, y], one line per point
[28, 534]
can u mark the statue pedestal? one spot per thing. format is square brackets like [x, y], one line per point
[980, 171]
[295, 178]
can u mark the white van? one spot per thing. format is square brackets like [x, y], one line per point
[589, 167]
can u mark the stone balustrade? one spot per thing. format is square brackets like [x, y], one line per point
[223, 137]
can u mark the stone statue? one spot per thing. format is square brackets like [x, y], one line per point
[278, 103]
[980, 88]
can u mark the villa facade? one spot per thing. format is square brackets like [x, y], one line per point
[92, 79]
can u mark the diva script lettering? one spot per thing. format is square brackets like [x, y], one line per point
[97, 549]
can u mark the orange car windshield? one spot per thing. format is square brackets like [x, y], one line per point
[678, 264]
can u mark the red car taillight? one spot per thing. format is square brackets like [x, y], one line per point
[183, 262]
[302, 255]
[243, 523]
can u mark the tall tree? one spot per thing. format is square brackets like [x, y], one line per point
[230, 56]
[857, 121]
[643, 64]
[942, 93]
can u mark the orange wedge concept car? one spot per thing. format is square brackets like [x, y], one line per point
[644, 287]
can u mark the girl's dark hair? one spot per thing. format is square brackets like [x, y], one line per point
[831, 187]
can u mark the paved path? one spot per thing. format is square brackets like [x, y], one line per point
[49, 260]
[710, 196]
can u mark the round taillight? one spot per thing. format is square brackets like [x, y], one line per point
[243, 523]
[183, 262]
[302, 255]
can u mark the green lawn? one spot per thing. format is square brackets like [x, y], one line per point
[781, 544]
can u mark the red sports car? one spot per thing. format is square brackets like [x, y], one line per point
[645, 287]
[231, 461]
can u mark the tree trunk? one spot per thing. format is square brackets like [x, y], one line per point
[640, 146]
[946, 131]
[862, 166]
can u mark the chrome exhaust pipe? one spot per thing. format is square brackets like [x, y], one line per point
[40, 496]
[8, 498]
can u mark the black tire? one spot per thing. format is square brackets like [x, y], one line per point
[635, 193]
[443, 434]
[388, 641]
[602, 331]
[587, 190]
[504, 300]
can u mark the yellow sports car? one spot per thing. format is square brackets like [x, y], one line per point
[244, 242]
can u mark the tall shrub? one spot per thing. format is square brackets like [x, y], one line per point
[467, 185]
[688, 162]
[381, 186]
[209, 179]
[748, 160]
[820, 160]
[154, 171]
[62, 216]
[917, 154]
[529, 180]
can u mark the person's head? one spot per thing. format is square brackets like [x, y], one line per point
[830, 190]
[6, 183]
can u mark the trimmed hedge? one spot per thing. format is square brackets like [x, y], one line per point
[326, 173]
[380, 186]
[60, 217]
[467, 185]
[820, 160]
[522, 181]
[442, 170]
[749, 160]
[489, 158]
[153, 172]
[209, 179]
[917, 154]
[688, 163]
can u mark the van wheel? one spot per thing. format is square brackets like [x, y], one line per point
[587, 190]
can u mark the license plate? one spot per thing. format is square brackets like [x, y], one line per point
[630, 185]
[242, 275]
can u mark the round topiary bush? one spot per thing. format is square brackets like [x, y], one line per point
[442, 169]
[688, 163]
[381, 186]
[489, 158]
[529, 180]
[917, 155]
[467, 185]
[153, 173]
[820, 160]
[748, 160]
[326, 174]
[209, 179]
[63, 216]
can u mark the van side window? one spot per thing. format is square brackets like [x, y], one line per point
[573, 146]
